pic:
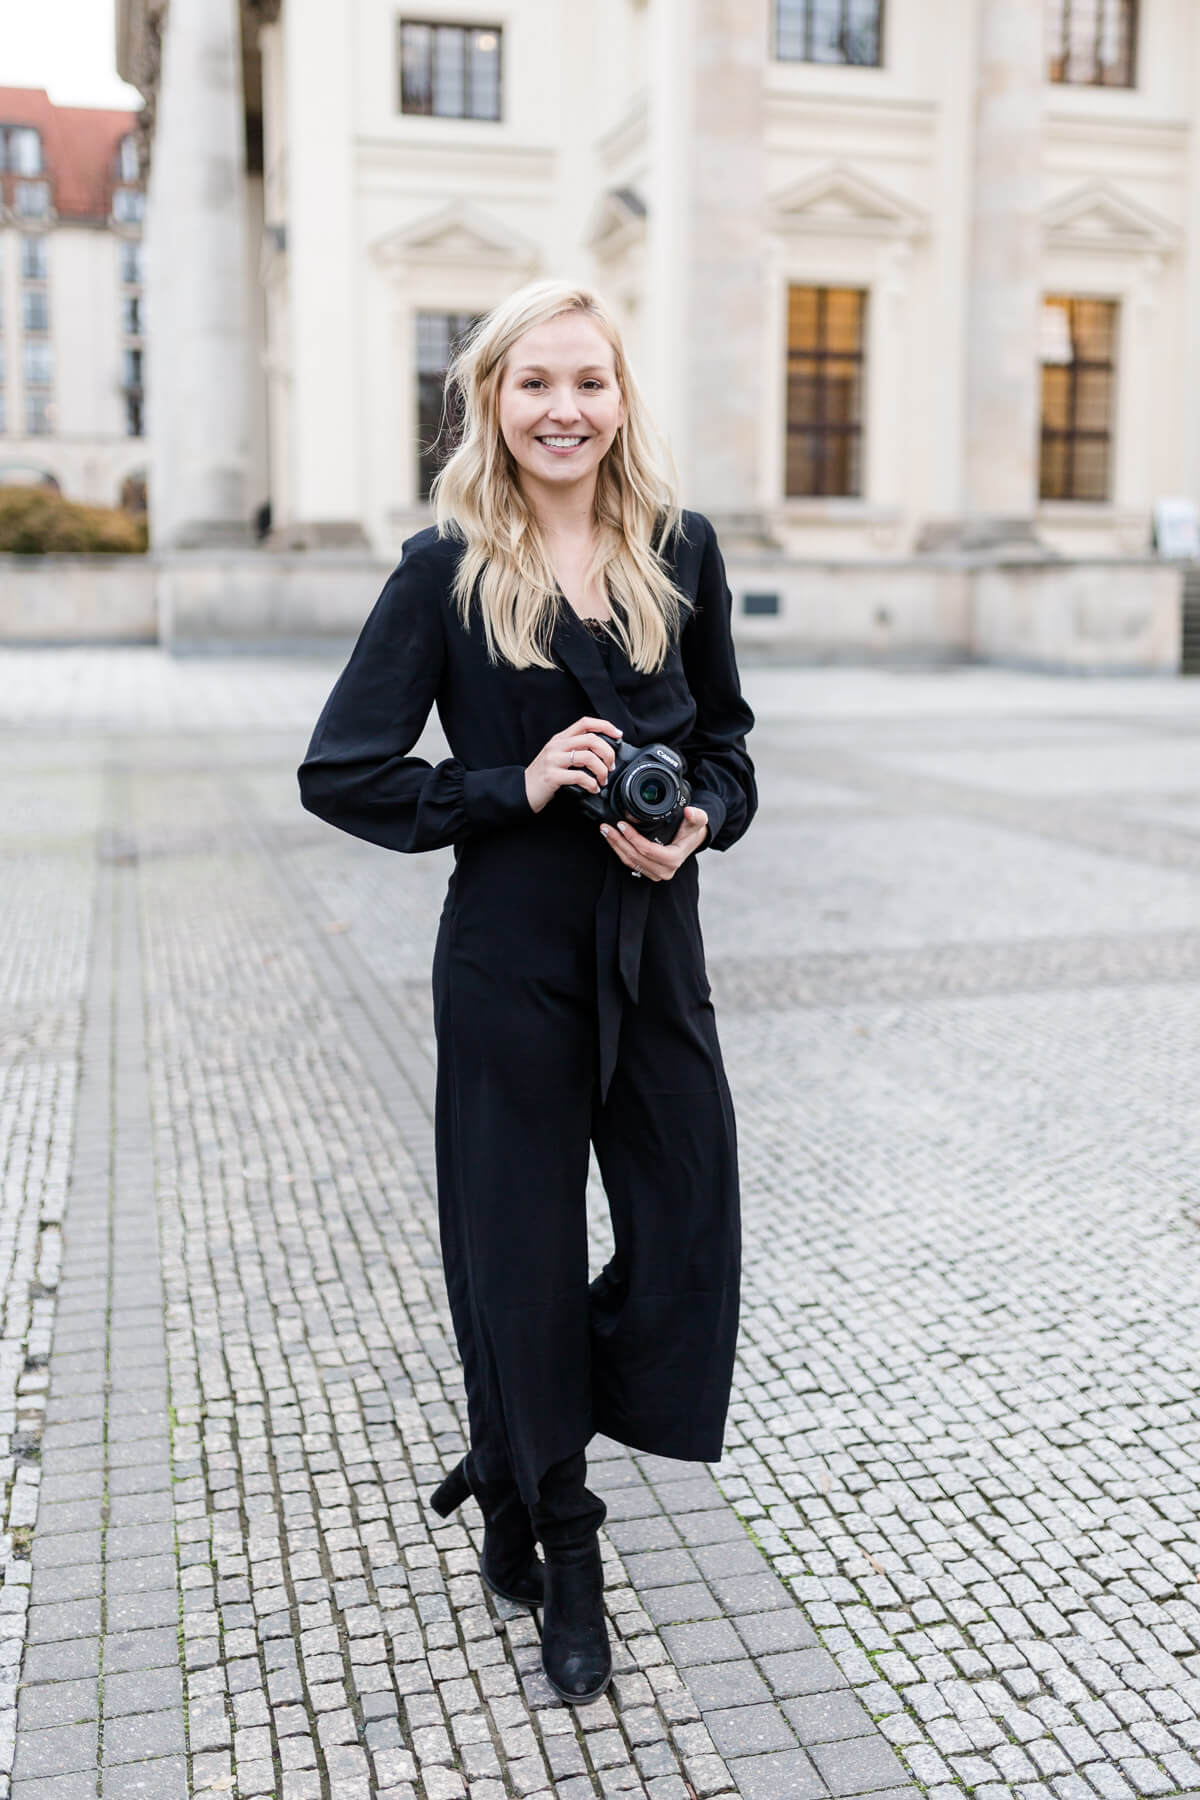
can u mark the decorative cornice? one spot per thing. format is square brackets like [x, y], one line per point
[1098, 216]
[840, 201]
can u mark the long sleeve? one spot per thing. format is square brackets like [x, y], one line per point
[720, 770]
[358, 773]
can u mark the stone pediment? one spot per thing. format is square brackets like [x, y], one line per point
[458, 235]
[839, 200]
[618, 220]
[1098, 216]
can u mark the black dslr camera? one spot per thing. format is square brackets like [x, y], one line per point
[645, 787]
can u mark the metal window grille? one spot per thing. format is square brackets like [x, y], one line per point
[829, 31]
[824, 391]
[450, 71]
[1078, 367]
[438, 335]
[1091, 43]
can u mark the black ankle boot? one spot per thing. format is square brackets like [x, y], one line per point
[509, 1564]
[575, 1648]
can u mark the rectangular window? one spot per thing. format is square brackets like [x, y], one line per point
[825, 390]
[34, 261]
[129, 206]
[39, 415]
[36, 309]
[32, 199]
[133, 368]
[438, 335]
[1078, 340]
[24, 150]
[829, 31]
[134, 415]
[450, 71]
[127, 159]
[38, 364]
[131, 315]
[1091, 43]
[131, 264]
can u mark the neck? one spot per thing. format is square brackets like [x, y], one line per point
[562, 514]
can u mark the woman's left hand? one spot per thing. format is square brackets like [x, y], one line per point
[658, 862]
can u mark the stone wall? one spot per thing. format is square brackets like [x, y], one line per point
[1103, 616]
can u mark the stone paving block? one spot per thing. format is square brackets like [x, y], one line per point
[149, 1690]
[67, 1620]
[822, 1718]
[57, 1703]
[677, 1605]
[80, 1786]
[780, 1629]
[141, 1649]
[778, 1775]
[58, 1661]
[56, 1750]
[163, 1779]
[139, 1737]
[748, 1730]
[801, 1672]
[727, 1684]
[858, 1765]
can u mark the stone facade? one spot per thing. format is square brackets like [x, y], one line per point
[665, 151]
[72, 301]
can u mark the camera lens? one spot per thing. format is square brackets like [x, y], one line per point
[652, 790]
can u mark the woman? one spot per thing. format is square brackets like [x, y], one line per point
[561, 601]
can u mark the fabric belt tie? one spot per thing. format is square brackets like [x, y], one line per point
[621, 914]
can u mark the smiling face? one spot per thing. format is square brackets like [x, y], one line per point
[559, 403]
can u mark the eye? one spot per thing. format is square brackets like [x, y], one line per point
[531, 381]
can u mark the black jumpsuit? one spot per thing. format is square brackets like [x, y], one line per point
[571, 1008]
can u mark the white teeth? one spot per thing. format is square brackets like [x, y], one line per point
[562, 443]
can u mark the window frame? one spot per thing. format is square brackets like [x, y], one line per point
[35, 300]
[1061, 51]
[810, 61]
[427, 461]
[1075, 434]
[26, 188]
[467, 27]
[30, 239]
[795, 361]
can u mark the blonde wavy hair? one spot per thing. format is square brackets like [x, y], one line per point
[477, 496]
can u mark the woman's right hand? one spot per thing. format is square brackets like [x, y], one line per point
[577, 757]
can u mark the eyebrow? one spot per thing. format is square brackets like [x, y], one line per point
[541, 369]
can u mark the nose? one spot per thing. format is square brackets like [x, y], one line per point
[563, 405]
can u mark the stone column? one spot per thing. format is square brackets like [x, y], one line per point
[710, 361]
[1003, 398]
[198, 290]
[325, 272]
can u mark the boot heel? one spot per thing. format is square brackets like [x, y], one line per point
[453, 1491]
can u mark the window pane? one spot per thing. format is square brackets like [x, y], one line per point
[131, 315]
[824, 391]
[438, 335]
[37, 364]
[1091, 42]
[484, 97]
[33, 258]
[133, 368]
[416, 63]
[33, 199]
[129, 205]
[828, 31]
[38, 415]
[1077, 398]
[791, 33]
[128, 160]
[24, 151]
[36, 310]
[131, 263]
[449, 71]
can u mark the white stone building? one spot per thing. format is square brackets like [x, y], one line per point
[72, 306]
[914, 287]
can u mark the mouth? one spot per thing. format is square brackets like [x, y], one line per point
[562, 446]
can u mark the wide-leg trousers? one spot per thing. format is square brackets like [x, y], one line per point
[644, 1353]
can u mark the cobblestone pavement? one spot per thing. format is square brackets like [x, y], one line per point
[954, 1542]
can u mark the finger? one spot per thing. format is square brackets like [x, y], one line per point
[589, 761]
[644, 846]
[589, 724]
[590, 741]
[657, 869]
